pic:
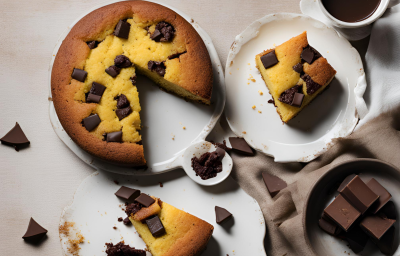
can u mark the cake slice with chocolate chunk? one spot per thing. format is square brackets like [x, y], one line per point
[166, 230]
[295, 74]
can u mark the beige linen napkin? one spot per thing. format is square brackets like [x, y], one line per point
[379, 139]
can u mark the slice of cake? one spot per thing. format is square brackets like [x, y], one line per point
[166, 230]
[295, 73]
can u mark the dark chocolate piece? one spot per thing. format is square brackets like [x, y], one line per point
[120, 219]
[92, 44]
[97, 89]
[91, 122]
[122, 61]
[309, 54]
[35, 232]
[207, 166]
[16, 138]
[288, 95]
[298, 68]
[121, 249]
[387, 244]
[274, 184]
[127, 193]
[156, 36]
[312, 86]
[357, 239]
[157, 66]
[346, 181]
[145, 200]
[389, 211]
[359, 194]
[133, 79]
[342, 212]
[113, 71]
[297, 100]
[155, 226]
[240, 145]
[127, 221]
[328, 226]
[122, 113]
[269, 59]
[163, 32]
[384, 195]
[79, 74]
[122, 101]
[221, 214]
[221, 153]
[93, 98]
[376, 226]
[114, 137]
[122, 29]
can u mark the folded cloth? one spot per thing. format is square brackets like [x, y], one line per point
[379, 139]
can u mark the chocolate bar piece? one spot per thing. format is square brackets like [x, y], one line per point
[376, 226]
[269, 59]
[274, 184]
[145, 200]
[127, 193]
[155, 226]
[342, 212]
[359, 194]
[328, 226]
[221, 214]
[384, 195]
[35, 232]
[346, 181]
[240, 145]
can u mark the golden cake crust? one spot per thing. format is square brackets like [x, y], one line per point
[196, 77]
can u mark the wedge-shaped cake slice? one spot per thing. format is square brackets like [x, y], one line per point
[168, 231]
[295, 73]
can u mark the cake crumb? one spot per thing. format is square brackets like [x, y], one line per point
[259, 111]
[114, 227]
[253, 80]
[260, 92]
[244, 132]
[184, 127]
[74, 238]
[253, 107]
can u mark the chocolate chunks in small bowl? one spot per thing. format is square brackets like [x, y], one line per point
[357, 239]
[384, 195]
[376, 226]
[342, 212]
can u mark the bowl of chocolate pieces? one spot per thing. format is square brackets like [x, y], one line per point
[353, 209]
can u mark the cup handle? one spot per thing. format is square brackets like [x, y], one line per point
[393, 3]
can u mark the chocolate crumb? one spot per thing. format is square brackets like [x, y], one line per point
[115, 227]
[120, 249]
[120, 219]
[161, 185]
[207, 166]
[116, 181]
[271, 101]
[127, 221]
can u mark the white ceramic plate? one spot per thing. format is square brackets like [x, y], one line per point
[161, 124]
[331, 115]
[95, 211]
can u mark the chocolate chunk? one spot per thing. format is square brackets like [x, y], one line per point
[176, 55]
[155, 226]
[387, 244]
[221, 145]
[156, 36]
[288, 95]
[145, 200]
[163, 32]
[122, 29]
[312, 86]
[122, 113]
[79, 74]
[309, 54]
[376, 226]
[156, 66]
[122, 101]
[35, 232]
[133, 208]
[274, 184]
[91, 122]
[16, 138]
[120, 219]
[269, 59]
[221, 214]
[389, 211]
[346, 181]
[359, 194]
[121, 249]
[127, 193]
[133, 79]
[220, 153]
[122, 61]
[298, 68]
[93, 98]
[328, 226]
[113, 71]
[240, 145]
[342, 212]
[127, 221]
[384, 195]
[114, 137]
[297, 100]
[271, 101]
[207, 166]
[97, 89]
[92, 44]
[357, 239]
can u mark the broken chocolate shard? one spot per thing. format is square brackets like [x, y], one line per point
[122, 113]
[221, 153]
[122, 101]
[342, 212]
[376, 226]
[16, 138]
[145, 200]
[121, 249]
[269, 59]
[309, 54]
[384, 195]
[298, 68]
[92, 44]
[288, 95]
[122, 29]
[127, 193]
[113, 71]
[91, 122]
[389, 211]
[297, 100]
[311, 86]
[221, 214]
[357, 239]
[35, 232]
[240, 145]
[327, 226]
[114, 137]
[79, 74]
[345, 182]
[122, 61]
[97, 89]
[387, 244]
[155, 226]
[93, 98]
[273, 183]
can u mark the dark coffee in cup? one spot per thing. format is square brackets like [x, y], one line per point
[351, 10]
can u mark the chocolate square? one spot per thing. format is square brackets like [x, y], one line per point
[93, 98]
[145, 200]
[389, 211]
[79, 74]
[113, 71]
[91, 122]
[127, 193]
[342, 212]
[122, 113]
[114, 137]
[155, 226]
[376, 226]
[269, 59]
[97, 89]
[297, 100]
[274, 184]
[221, 214]
[122, 29]
[240, 145]
[384, 195]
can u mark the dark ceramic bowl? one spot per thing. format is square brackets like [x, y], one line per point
[324, 191]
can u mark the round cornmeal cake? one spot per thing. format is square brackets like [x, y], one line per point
[93, 79]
